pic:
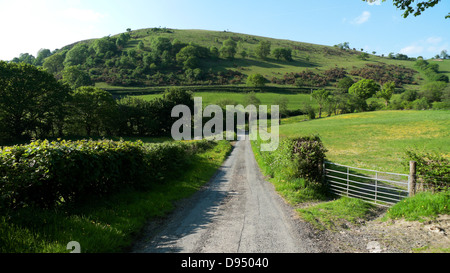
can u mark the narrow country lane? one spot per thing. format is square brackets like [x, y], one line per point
[238, 212]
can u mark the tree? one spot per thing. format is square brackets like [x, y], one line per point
[214, 52]
[93, 109]
[162, 108]
[228, 49]
[343, 46]
[160, 44]
[31, 101]
[363, 56]
[321, 96]
[263, 49]
[361, 91]
[190, 55]
[251, 99]
[407, 6]
[141, 46]
[282, 53]
[122, 40]
[76, 77]
[41, 55]
[103, 45]
[444, 54]
[256, 80]
[433, 91]
[364, 88]
[77, 55]
[24, 58]
[243, 54]
[386, 92]
[344, 84]
[282, 103]
[54, 63]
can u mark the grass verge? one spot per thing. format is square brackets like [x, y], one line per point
[337, 213]
[294, 190]
[422, 206]
[297, 191]
[106, 225]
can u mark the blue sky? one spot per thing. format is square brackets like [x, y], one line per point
[28, 25]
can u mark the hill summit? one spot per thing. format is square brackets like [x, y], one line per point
[171, 57]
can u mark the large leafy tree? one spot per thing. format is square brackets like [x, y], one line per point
[77, 55]
[361, 91]
[93, 109]
[76, 77]
[31, 101]
[364, 88]
[411, 8]
[54, 63]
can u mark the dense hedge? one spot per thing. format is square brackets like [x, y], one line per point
[433, 169]
[300, 157]
[45, 173]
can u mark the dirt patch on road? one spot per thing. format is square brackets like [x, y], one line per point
[392, 236]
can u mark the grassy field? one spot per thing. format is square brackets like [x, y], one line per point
[377, 140]
[296, 101]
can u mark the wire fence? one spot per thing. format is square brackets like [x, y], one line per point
[380, 188]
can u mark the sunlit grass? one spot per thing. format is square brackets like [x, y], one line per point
[378, 140]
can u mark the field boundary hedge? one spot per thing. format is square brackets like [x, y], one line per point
[46, 174]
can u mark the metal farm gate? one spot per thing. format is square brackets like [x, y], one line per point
[380, 188]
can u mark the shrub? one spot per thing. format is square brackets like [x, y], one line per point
[432, 168]
[256, 80]
[300, 157]
[46, 174]
[309, 110]
[309, 155]
[420, 104]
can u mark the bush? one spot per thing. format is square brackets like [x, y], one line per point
[433, 169]
[46, 174]
[300, 157]
[444, 105]
[309, 110]
[256, 80]
[309, 155]
[420, 104]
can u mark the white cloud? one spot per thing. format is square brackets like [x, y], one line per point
[430, 47]
[434, 40]
[412, 50]
[374, 2]
[364, 17]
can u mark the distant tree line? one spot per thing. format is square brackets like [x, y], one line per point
[33, 104]
[361, 96]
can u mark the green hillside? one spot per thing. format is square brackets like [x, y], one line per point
[158, 57]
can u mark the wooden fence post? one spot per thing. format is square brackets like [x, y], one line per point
[412, 178]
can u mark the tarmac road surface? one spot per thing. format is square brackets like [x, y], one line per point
[238, 211]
